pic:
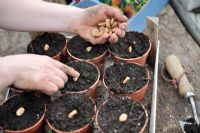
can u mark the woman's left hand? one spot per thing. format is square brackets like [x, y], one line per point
[93, 15]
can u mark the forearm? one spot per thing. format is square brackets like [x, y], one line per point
[36, 15]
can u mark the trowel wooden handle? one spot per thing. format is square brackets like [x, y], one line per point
[175, 70]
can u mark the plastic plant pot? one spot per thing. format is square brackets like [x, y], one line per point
[121, 114]
[50, 44]
[58, 113]
[76, 49]
[34, 127]
[88, 80]
[133, 48]
[135, 87]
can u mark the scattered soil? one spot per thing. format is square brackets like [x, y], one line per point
[192, 127]
[34, 106]
[138, 41]
[102, 95]
[57, 112]
[88, 76]
[56, 43]
[108, 116]
[77, 47]
[115, 74]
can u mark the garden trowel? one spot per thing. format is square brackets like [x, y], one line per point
[177, 71]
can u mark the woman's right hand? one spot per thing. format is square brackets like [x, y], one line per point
[34, 72]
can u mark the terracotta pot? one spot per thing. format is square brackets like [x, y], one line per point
[85, 129]
[137, 95]
[61, 56]
[140, 60]
[141, 130]
[91, 91]
[36, 128]
[98, 61]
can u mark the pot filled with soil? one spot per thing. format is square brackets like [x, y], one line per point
[50, 44]
[71, 113]
[121, 114]
[127, 79]
[23, 113]
[79, 49]
[87, 81]
[133, 48]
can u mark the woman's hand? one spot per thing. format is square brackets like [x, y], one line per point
[95, 14]
[34, 72]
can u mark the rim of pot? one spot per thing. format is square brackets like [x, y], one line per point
[88, 60]
[28, 128]
[128, 93]
[145, 111]
[130, 59]
[80, 129]
[93, 85]
[64, 50]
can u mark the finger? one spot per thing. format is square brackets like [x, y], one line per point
[60, 74]
[117, 14]
[123, 26]
[56, 80]
[70, 71]
[66, 69]
[48, 88]
[113, 38]
[120, 33]
[101, 40]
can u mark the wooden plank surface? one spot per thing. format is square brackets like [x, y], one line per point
[174, 39]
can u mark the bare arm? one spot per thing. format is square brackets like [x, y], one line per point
[37, 15]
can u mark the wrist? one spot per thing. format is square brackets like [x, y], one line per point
[6, 74]
[75, 19]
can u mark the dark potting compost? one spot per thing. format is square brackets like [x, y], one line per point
[138, 41]
[191, 126]
[34, 106]
[109, 113]
[77, 47]
[58, 110]
[116, 74]
[88, 76]
[55, 41]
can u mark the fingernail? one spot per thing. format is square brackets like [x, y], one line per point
[125, 17]
[76, 78]
[123, 27]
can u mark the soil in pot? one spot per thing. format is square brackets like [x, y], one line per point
[133, 45]
[88, 76]
[32, 107]
[116, 74]
[82, 49]
[109, 117]
[58, 112]
[50, 44]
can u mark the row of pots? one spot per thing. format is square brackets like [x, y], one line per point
[61, 118]
[98, 61]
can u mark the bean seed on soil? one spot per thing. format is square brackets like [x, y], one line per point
[72, 114]
[123, 117]
[125, 81]
[46, 47]
[20, 111]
